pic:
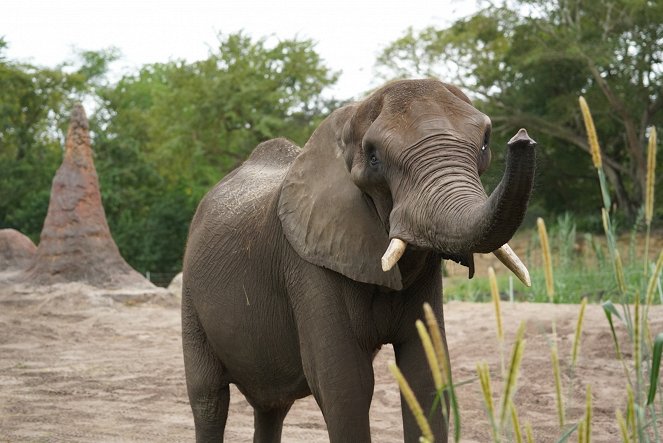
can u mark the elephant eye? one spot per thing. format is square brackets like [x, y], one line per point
[486, 140]
[373, 160]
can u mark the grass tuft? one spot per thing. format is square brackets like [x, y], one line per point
[559, 399]
[653, 280]
[651, 176]
[576, 338]
[484, 381]
[438, 343]
[528, 432]
[623, 428]
[547, 258]
[655, 368]
[412, 403]
[430, 355]
[588, 415]
[592, 139]
[512, 374]
[494, 291]
[518, 436]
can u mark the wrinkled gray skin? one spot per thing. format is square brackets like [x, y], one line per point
[283, 291]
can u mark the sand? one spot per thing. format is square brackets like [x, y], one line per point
[80, 366]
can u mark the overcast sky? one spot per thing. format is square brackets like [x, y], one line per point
[349, 33]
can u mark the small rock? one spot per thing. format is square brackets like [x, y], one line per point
[16, 250]
[175, 286]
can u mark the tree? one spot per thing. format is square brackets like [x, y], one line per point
[167, 134]
[527, 61]
[197, 121]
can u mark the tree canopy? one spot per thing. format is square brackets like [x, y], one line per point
[527, 61]
[164, 134]
[162, 137]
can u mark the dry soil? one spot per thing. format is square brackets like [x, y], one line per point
[79, 366]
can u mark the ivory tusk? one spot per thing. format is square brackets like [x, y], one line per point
[393, 253]
[506, 255]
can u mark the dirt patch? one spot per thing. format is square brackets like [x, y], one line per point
[79, 366]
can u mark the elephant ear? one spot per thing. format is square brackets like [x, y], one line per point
[326, 218]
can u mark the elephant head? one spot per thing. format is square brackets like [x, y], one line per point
[400, 170]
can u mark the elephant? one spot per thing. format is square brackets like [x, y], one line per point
[301, 263]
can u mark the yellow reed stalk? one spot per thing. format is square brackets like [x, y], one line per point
[592, 139]
[496, 302]
[646, 332]
[649, 194]
[484, 380]
[430, 355]
[606, 220]
[412, 403]
[651, 167]
[653, 280]
[631, 418]
[516, 424]
[528, 432]
[547, 258]
[637, 340]
[557, 374]
[588, 415]
[438, 343]
[512, 375]
[581, 431]
[619, 270]
[623, 429]
[607, 227]
[576, 339]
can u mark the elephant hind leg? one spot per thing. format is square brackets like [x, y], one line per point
[268, 424]
[209, 392]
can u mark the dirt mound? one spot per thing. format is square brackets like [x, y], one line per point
[76, 243]
[16, 250]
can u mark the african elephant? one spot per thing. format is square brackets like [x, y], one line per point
[288, 290]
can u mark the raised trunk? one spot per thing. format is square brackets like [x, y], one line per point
[495, 222]
[464, 219]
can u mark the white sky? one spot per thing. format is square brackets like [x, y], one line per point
[349, 33]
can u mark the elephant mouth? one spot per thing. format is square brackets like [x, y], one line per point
[464, 260]
[505, 254]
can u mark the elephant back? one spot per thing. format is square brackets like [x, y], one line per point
[261, 174]
[276, 153]
[236, 211]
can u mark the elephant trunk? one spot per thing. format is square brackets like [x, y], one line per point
[457, 219]
[493, 223]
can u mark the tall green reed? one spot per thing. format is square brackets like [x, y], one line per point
[642, 417]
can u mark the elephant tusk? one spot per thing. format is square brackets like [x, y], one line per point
[506, 255]
[393, 253]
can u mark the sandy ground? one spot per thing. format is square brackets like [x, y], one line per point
[77, 366]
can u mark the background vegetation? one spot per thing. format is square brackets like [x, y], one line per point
[165, 134]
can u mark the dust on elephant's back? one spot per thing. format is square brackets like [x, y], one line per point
[260, 174]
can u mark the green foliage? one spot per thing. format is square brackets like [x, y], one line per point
[527, 61]
[167, 134]
[162, 137]
[34, 107]
[196, 121]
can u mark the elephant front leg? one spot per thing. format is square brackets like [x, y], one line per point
[338, 371]
[341, 379]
